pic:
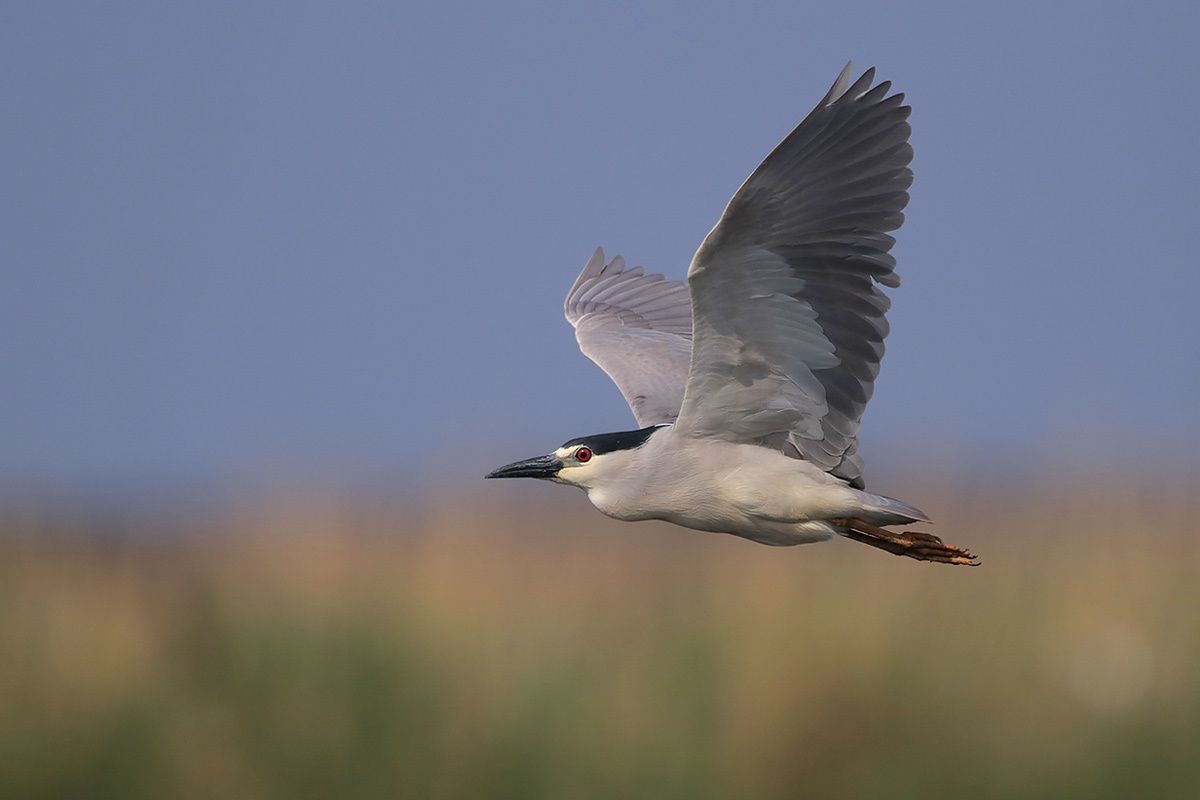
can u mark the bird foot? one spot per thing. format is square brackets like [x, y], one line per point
[914, 544]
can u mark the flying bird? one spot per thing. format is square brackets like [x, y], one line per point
[749, 382]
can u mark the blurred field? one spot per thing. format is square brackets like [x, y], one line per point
[311, 648]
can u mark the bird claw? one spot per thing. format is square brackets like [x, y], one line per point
[914, 544]
[927, 547]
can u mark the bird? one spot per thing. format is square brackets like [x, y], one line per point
[749, 382]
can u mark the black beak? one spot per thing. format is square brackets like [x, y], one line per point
[540, 467]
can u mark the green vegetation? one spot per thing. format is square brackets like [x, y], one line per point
[311, 650]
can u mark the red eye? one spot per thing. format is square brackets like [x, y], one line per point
[583, 455]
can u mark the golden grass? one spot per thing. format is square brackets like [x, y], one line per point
[318, 649]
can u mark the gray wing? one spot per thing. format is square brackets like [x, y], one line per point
[638, 329]
[789, 324]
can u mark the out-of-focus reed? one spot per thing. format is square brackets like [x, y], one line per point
[441, 649]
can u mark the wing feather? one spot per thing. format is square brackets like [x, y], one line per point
[638, 329]
[788, 321]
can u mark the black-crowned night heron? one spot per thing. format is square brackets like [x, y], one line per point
[750, 381]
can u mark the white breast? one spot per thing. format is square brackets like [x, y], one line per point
[714, 485]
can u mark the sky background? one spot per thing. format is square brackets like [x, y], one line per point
[265, 241]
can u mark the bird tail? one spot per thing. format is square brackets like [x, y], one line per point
[881, 510]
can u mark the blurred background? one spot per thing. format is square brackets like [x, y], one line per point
[280, 282]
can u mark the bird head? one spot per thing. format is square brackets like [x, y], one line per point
[582, 461]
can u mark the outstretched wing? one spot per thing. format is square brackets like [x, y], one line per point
[638, 329]
[789, 324]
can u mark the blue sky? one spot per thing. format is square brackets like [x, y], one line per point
[331, 241]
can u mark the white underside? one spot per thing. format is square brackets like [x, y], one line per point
[718, 486]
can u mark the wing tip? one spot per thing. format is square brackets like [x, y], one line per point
[593, 267]
[843, 88]
[840, 85]
[599, 280]
[596, 262]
